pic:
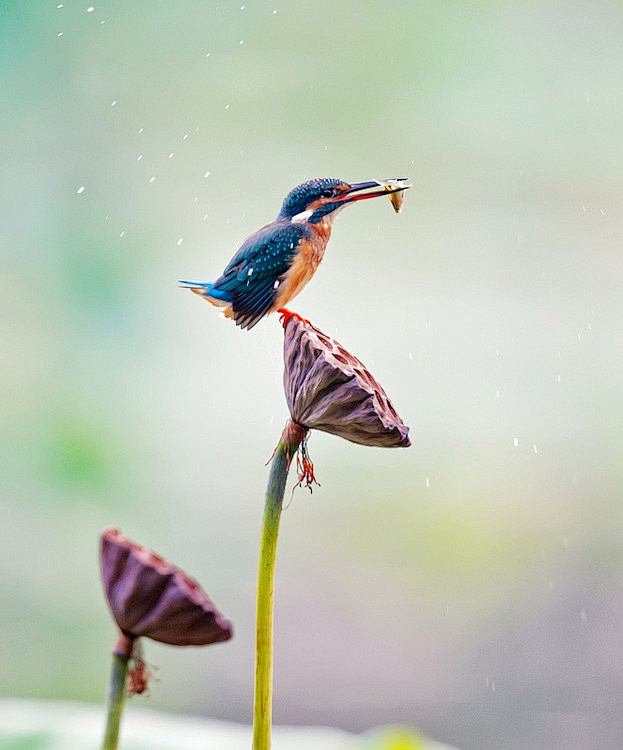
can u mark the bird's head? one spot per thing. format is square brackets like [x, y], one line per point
[323, 198]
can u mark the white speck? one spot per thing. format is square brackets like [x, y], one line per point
[242, 7]
[427, 482]
[250, 272]
[583, 615]
[208, 54]
[241, 41]
[516, 442]
[139, 157]
[565, 542]
[227, 106]
[60, 33]
[602, 212]
[185, 138]
[196, 199]
[274, 13]
[90, 9]
[535, 449]
[205, 217]
[207, 174]
[122, 233]
[550, 585]
[497, 395]
[271, 420]
[558, 379]
[102, 22]
[276, 284]
[113, 104]
[171, 155]
[411, 356]
[81, 189]
[179, 242]
[140, 130]
[152, 179]
[60, 6]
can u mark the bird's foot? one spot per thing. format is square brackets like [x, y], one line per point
[285, 315]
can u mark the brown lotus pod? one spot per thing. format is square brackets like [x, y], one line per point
[148, 596]
[329, 389]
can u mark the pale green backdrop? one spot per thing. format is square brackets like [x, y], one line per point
[471, 585]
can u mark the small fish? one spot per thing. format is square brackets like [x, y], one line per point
[397, 195]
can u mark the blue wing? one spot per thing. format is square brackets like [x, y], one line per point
[251, 278]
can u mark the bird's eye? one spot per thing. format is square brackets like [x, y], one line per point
[328, 193]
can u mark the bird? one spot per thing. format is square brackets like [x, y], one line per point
[274, 264]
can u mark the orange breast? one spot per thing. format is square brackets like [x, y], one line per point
[308, 258]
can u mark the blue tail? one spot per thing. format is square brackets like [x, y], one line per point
[206, 289]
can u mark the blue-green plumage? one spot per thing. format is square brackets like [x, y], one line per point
[276, 262]
[251, 279]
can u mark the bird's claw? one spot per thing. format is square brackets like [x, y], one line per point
[285, 315]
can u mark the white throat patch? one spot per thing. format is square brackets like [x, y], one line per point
[301, 218]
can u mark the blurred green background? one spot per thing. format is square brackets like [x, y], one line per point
[471, 585]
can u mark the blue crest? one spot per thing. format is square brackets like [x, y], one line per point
[299, 198]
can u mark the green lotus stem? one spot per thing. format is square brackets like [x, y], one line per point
[116, 694]
[263, 700]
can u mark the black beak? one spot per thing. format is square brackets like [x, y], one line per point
[375, 188]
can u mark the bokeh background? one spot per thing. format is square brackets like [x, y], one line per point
[470, 586]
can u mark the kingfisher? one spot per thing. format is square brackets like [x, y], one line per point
[274, 264]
